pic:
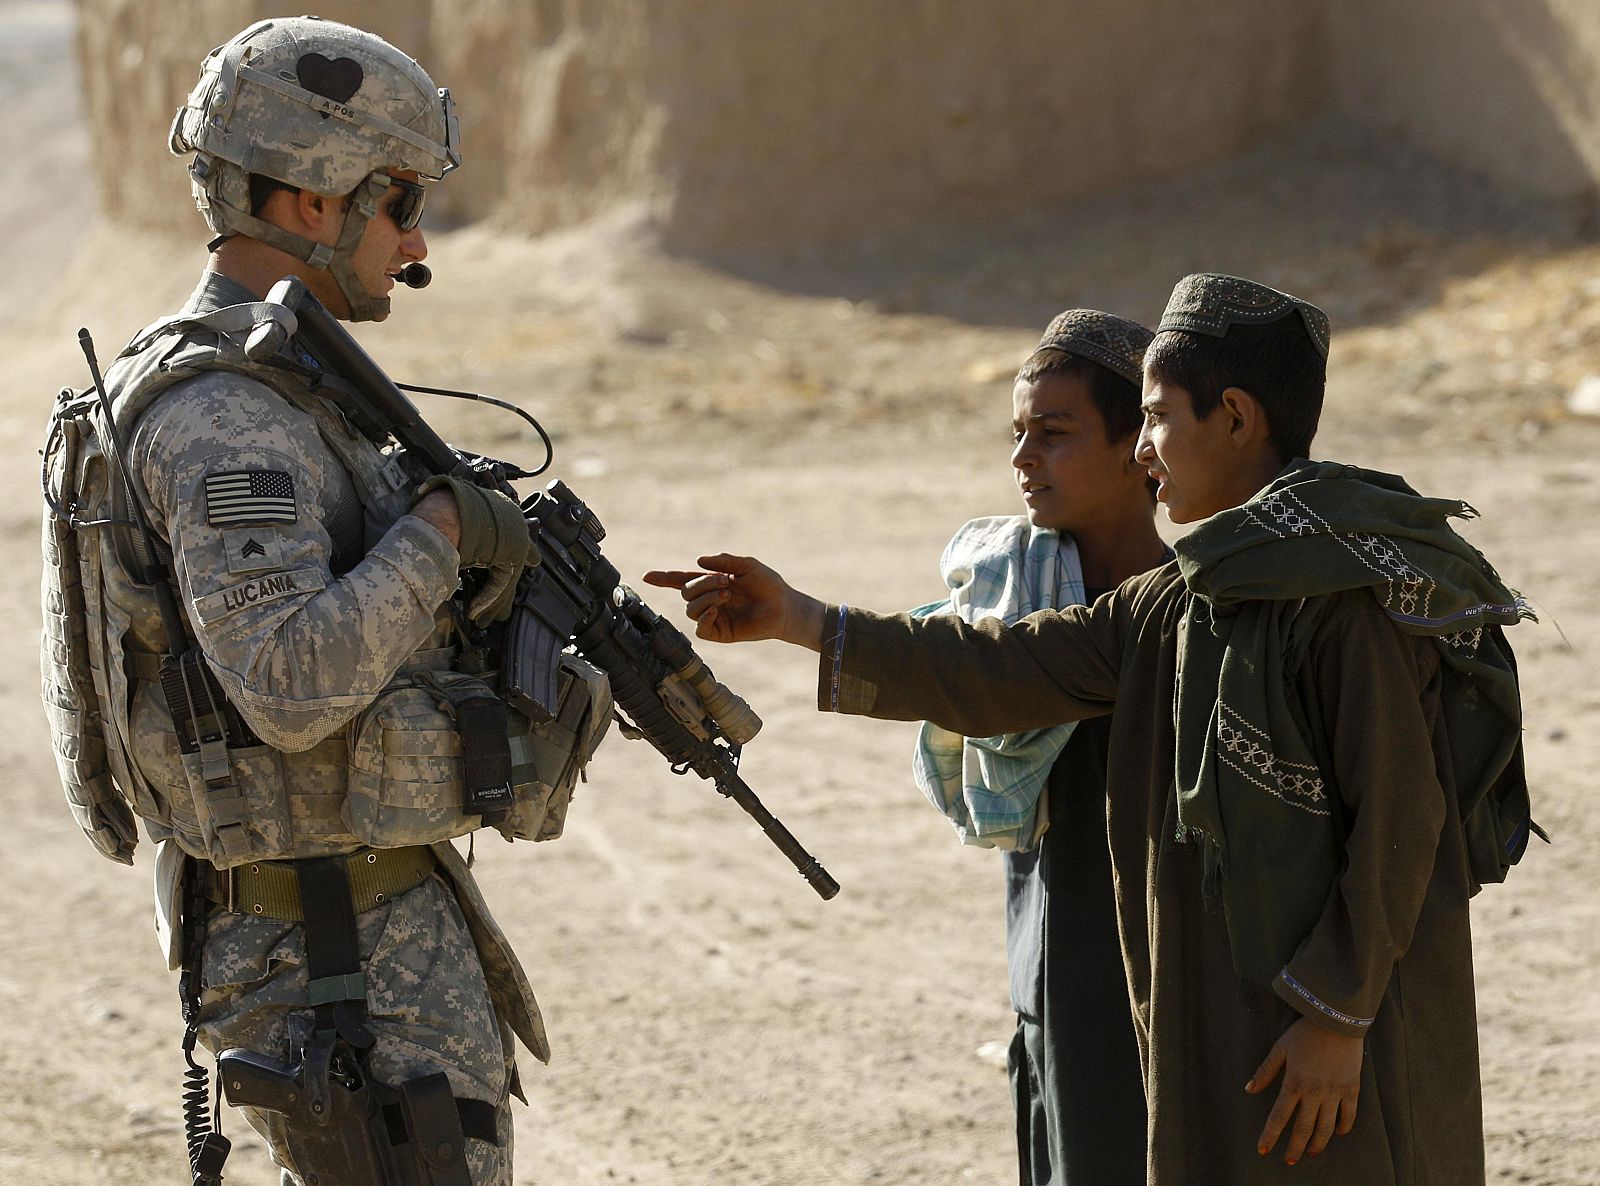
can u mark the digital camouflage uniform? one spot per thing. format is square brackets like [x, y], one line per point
[321, 608]
[427, 1006]
[305, 622]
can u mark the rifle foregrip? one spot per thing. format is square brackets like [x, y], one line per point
[634, 690]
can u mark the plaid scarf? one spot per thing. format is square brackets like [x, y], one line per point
[989, 787]
[1247, 780]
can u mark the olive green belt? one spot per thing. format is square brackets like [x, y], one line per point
[271, 889]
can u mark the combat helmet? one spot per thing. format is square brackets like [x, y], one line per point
[319, 106]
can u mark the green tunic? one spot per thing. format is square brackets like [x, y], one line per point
[1391, 955]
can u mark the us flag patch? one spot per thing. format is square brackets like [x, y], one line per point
[249, 496]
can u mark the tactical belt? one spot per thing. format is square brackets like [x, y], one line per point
[270, 888]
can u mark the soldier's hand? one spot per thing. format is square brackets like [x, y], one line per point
[438, 509]
[1321, 1080]
[494, 536]
[740, 599]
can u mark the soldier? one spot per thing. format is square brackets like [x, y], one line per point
[302, 771]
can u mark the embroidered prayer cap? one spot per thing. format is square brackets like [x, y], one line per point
[1114, 342]
[1208, 303]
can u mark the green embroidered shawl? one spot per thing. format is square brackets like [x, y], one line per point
[1248, 779]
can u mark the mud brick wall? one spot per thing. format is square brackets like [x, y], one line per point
[735, 122]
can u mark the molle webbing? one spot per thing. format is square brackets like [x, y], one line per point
[270, 888]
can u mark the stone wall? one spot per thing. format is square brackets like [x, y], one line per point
[1507, 88]
[758, 121]
[824, 119]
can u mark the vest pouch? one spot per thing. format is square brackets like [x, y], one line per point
[407, 773]
[550, 757]
[240, 803]
[405, 764]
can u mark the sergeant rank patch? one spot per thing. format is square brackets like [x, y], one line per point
[251, 549]
[249, 496]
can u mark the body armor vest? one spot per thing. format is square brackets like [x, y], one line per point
[384, 780]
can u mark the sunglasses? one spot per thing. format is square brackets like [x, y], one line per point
[406, 208]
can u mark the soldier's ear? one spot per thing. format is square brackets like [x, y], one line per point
[317, 214]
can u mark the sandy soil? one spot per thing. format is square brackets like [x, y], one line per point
[838, 414]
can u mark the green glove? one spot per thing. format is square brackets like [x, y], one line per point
[494, 536]
[110, 827]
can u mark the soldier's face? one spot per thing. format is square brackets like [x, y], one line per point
[384, 248]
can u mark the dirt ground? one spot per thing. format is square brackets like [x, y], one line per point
[839, 414]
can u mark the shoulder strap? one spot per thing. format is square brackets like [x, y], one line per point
[169, 351]
[230, 319]
[228, 339]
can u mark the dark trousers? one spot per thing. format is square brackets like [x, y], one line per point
[1075, 1074]
[1068, 1132]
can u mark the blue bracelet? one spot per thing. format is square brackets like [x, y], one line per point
[838, 657]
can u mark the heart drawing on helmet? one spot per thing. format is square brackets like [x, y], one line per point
[332, 78]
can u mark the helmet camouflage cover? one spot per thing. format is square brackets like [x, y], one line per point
[316, 105]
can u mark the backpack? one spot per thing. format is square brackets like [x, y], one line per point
[1499, 824]
[72, 699]
[82, 494]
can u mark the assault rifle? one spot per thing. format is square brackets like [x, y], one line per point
[574, 596]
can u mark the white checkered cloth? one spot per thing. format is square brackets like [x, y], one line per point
[990, 787]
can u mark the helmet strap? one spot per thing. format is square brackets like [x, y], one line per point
[362, 209]
[337, 259]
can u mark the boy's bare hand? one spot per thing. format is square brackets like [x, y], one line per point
[1321, 1079]
[740, 599]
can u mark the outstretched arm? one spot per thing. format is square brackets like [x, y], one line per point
[740, 599]
[977, 680]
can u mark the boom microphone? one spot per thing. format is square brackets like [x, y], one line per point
[415, 275]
